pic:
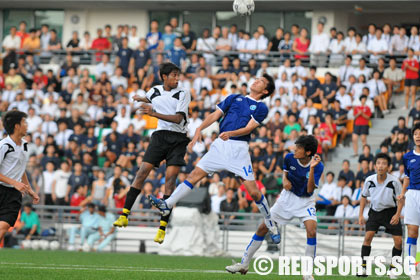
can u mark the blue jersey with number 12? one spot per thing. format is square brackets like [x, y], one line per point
[298, 175]
[238, 110]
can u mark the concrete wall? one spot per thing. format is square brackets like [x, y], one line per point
[338, 19]
[90, 20]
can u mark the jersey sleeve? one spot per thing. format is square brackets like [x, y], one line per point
[183, 104]
[365, 191]
[286, 163]
[3, 151]
[398, 186]
[405, 161]
[260, 113]
[225, 104]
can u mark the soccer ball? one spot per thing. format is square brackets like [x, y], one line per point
[44, 244]
[243, 7]
[35, 244]
[26, 244]
[54, 245]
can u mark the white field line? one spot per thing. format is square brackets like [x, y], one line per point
[134, 269]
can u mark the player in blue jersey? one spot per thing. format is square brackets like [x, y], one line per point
[411, 194]
[241, 115]
[302, 171]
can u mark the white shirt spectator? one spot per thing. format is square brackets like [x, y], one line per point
[67, 79]
[365, 71]
[368, 38]
[319, 43]
[345, 100]
[118, 81]
[413, 41]
[215, 203]
[223, 42]
[123, 123]
[336, 47]
[46, 181]
[298, 98]
[193, 124]
[340, 192]
[301, 72]
[108, 69]
[49, 128]
[305, 113]
[395, 75]
[33, 123]
[8, 96]
[243, 45]
[200, 83]
[207, 45]
[282, 84]
[61, 179]
[345, 72]
[94, 112]
[20, 105]
[10, 42]
[344, 211]
[376, 87]
[234, 39]
[50, 108]
[62, 137]
[377, 45]
[328, 190]
[139, 123]
[133, 42]
[289, 71]
[349, 44]
[398, 44]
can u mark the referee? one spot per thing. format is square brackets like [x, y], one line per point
[169, 142]
[13, 181]
[383, 189]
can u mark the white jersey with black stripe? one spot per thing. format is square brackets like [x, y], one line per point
[13, 159]
[382, 196]
[170, 103]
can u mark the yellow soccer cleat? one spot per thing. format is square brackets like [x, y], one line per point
[160, 236]
[121, 222]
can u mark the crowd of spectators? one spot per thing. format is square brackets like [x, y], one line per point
[87, 138]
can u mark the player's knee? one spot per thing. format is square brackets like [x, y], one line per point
[255, 194]
[262, 230]
[311, 233]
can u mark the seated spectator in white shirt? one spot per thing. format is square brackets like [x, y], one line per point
[34, 121]
[413, 41]
[399, 42]
[369, 101]
[350, 40]
[307, 111]
[95, 111]
[319, 46]
[345, 210]
[371, 34]
[337, 50]
[123, 120]
[202, 81]
[118, 79]
[258, 46]
[282, 82]
[71, 77]
[194, 122]
[104, 66]
[286, 67]
[345, 71]
[343, 97]
[327, 192]
[218, 198]
[377, 90]
[393, 76]
[362, 70]
[343, 189]
[300, 71]
[377, 47]
[224, 43]
[277, 107]
[264, 69]
[49, 126]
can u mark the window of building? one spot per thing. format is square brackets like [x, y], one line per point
[198, 21]
[229, 18]
[163, 18]
[54, 19]
[303, 19]
[14, 17]
[271, 21]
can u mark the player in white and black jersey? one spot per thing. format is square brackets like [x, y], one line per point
[169, 142]
[385, 210]
[13, 180]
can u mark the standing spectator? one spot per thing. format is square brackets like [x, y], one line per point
[295, 32]
[141, 58]
[144, 202]
[154, 36]
[350, 41]
[362, 116]
[399, 42]
[32, 43]
[414, 37]
[411, 68]
[301, 44]
[358, 49]
[123, 57]
[312, 86]
[327, 130]
[286, 45]
[10, 44]
[100, 44]
[273, 45]
[207, 44]
[46, 181]
[86, 42]
[340, 120]
[99, 187]
[337, 50]
[393, 77]
[54, 43]
[79, 199]
[133, 38]
[224, 44]
[59, 184]
[363, 173]
[233, 36]
[177, 54]
[74, 43]
[22, 33]
[168, 37]
[188, 37]
[319, 47]
[377, 91]
[371, 34]
[377, 47]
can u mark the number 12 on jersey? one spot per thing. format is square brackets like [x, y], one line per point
[247, 171]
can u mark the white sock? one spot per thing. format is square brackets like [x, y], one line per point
[180, 192]
[265, 210]
[253, 247]
[412, 247]
[310, 247]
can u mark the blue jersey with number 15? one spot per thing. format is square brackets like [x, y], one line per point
[298, 175]
[238, 110]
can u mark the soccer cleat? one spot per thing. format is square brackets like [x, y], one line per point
[363, 274]
[160, 236]
[237, 267]
[161, 205]
[121, 222]
[275, 235]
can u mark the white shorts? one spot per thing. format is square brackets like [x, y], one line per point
[412, 208]
[289, 206]
[230, 155]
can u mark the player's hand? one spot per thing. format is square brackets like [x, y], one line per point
[315, 160]
[197, 138]
[395, 219]
[287, 185]
[23, 188]
[137, 98]
[361, 220]
[146, 109]
[35, 197]
[401, 196]
[225, 135]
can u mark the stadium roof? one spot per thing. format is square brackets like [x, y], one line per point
[367, 6]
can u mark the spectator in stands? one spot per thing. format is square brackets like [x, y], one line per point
[329, 88]
[106, 231]
[312, 88]
[86, 41]
[377, 46]
[337, 50]
[144, 202]
[377, 91]
[246, 204]
[344, 210]
[105, 66]
[89, 223]
[11, 43]
[177, 54]
[364, 172]
[345, 71]
[230, 204]
[74, 44]
[411, 68]
[348, 174]
[327, 130]
[59, 184]
[99, 187]
[393, 77]
[79, 199]
[54, 43]
[340, 119]
[123, 56]
[414, 113]
[30, 224]
[327, 192]
[218, 198]
[301, 44]
[77, 179]
[319, 47]
[133, 38]
[362, 116]
[32, 43]
[168, 37]
[286, 45]
[366, 155]
[414, 37]
[188, 37]
[294, 31]
[117, 187]
[154, 36]
[273, 44]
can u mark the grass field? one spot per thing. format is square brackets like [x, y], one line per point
[33, 265]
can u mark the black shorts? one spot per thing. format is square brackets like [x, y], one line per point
[361, 129]
[411, 82]
[383, 218]
[167, 145]
[10, 204]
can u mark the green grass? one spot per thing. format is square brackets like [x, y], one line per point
[33, 265]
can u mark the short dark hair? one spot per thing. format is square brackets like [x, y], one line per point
[11, 119]
[309, 143]
[384, 156]
[331, 173]
[270, 86]
[167, 68]
[415, 127]
[342, 178]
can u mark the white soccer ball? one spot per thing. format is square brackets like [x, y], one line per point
[86, 248]
[54, 245]
[35, 244]
[243, 7]
[26, 244]
[44, 244]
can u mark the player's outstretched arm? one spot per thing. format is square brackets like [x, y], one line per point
[361, 209]
[241, 131]
[35, 197]
[140, 99]
[216, 115]
[147, 109]
[311, 180]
